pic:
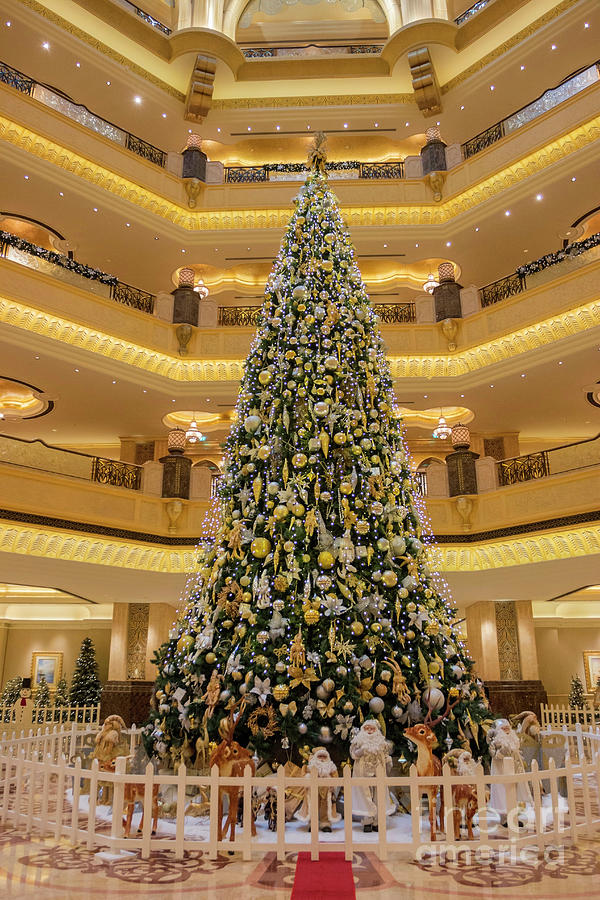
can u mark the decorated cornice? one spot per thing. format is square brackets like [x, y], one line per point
[232, 219]
[31, 540]
[501, 348]
[101, 47]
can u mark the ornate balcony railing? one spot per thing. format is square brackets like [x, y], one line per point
[116, 473]
[395, 313]
[312, 50]
[571, 85]
[240, 316]
[502, 289]
[472, 11]
[298, 171]
[150, 20]
[214, 484]
[523, 468]
[16, 79]
[55, 99]
[420, 480]
[132, 296]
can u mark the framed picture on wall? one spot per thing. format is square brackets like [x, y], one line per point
[47, 664]
[591, 662]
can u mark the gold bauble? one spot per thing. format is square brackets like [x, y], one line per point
[346, 487]
[280, 691]
[327, 265]
[210, 657]
[247, 597]
[381, 690]
[264, 452]
[312, 616]
[237, 675]
[410, 634]
[289, 546]
[265, 377]
[340, 438]
[184, 643]
[299, 460]
[376, 627]
[227, 623]
[434, 668]
[281, 512]
[326, 559]
[389, 578]
[362, 526]
[260, 547]
[298, 510]
[357, 628]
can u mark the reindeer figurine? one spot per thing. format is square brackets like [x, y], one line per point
[134, 793]
[429, 765]
[231, 759]
[464, 796]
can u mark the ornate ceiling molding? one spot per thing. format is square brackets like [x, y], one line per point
[231, 219]
[75, 547]
[503, 347]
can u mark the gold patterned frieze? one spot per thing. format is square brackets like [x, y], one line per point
[504, 347]
[35, 541]
[508, 640]
[232, 219]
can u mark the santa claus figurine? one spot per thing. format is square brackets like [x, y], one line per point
[24, 706]
[369, 750]
[321, 762]
[504, 743]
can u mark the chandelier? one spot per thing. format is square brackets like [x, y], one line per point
[442, 430]
[431, 284]
[193, 435]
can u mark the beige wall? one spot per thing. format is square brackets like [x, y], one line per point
[22, 641]
[560, 655]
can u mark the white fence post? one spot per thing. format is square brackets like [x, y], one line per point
[215, 825]
[313, 807]
[382, 805]
[180, 820]
[280, 795]
[347, 774]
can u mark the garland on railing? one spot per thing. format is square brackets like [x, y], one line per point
[56, 259]
[303, 167]
[551, 259]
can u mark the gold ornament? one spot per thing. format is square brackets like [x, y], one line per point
[381, 690]
[281, 512]
[434, 668]
[298, 510]
[264, 452]
[210, 657]
[297, 650]
[184, 643]
[280, 691]
[229, 598]
[346, 487]
[260, 547]
[265, 377]
[312, 616]
[376, 627]
[326, 559]
[299, 460]
[340, 438]
[280, 583]
[389, 578]
[357, 628]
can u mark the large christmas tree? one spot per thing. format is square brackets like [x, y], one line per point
[86, 688]
[315, 602]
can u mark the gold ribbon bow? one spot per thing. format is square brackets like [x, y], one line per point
[302, 676]
[327, 709]
[285, 708]
[365, 685]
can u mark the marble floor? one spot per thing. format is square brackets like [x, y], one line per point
[42, 869]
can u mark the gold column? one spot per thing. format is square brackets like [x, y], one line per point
[483, 640]
[117, 661]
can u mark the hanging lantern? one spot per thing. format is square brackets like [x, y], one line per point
[461, 437]
[431, 284]
[186, 278]
[442, 430]
[193, 434]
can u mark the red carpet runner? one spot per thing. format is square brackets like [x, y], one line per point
[327, 878]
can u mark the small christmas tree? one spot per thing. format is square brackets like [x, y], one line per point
[576, 694]
[61, 697]
[12, 691]
[86, 688]
[315, 607]
[41, 699]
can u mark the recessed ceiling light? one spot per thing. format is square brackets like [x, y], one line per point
[128, 224]
[417, 246]
[525, 251]
[448, 243]
[37, 357]
[26, 177]
[425, 396]
[492, 87]
[156, 238]
[438, 123]
[553, 47]
[507, 212]
[208, 399]
[137, 99]
[560, 362]
[385, 245]
[172, 401]
[144, 391]
[249, 128]
[108, 83]
[164, 115]
[539, 196]
[95, 209]
[308, 127]
[219, 130]
[76, 370]
[345, 124]
[182, 250]
[78, 64]
[277, 127]
[462, 396]
[8, 24]
[462, 107]
[585, 24]
[46, 45]
[523, 375]
[376, 124]
[477, 229]
[491, 385]
[522, 68]
[60, 194]
[573, 178]
[189, 130]
[114, 382]
[406, 124]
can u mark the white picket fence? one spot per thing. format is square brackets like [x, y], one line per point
[51, 715]
[43, 788]
[556, 716]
